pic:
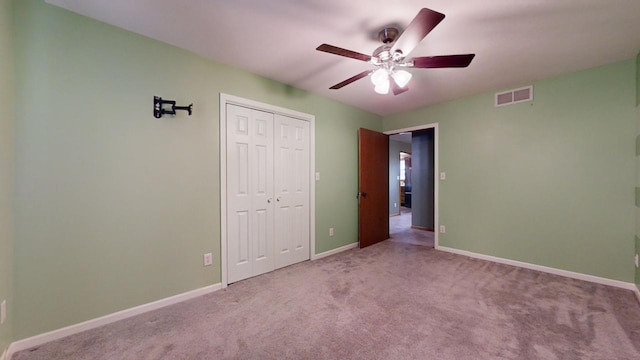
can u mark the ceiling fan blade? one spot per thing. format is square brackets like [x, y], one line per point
[351, 79]
[446, 61]
[397, 90]
[343, 52]
[419, 27]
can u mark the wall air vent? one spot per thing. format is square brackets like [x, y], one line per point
[514, 96]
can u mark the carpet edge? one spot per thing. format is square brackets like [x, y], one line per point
[541, 268]
[40, 339]
[334, 251]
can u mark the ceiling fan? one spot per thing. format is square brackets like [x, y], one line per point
[390, 58]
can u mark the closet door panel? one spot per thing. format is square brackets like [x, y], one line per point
[283, 216]
[249, 192]
[300, 177]
[292, 190]
[263, 259]
[267, 191]
[238, 193]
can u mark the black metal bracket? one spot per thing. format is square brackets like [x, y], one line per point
[159, 110]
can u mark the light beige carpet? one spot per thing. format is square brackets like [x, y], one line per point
[388, 301]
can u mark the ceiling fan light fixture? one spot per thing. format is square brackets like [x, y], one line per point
[391, 55]
[382, 88]
[401, 77]
[380, 77]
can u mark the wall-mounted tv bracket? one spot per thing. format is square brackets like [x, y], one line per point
[159, 109]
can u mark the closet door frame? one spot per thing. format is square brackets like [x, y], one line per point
[230, 99]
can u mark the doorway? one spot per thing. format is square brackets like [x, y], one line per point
[413, 164]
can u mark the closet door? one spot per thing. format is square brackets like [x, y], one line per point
[249, 192]
[291, 191]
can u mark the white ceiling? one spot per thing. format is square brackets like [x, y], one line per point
[515, 42]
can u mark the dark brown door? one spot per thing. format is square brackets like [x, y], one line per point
[373, 187]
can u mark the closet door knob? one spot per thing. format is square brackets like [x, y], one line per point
[278, 199]
[269, 201]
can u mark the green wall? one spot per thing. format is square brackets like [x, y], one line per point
[548, 182]
[6, 169]
[115, 208]
[637, 237]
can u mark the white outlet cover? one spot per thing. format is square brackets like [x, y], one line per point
[636, 260]
[442, 229]
[208, 259]
[330, 231]
[3, 311]
[317, 176]
[443, 176]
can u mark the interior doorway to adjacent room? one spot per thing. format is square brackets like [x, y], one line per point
[410, 221]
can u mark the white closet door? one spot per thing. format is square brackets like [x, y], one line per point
[249, 192]
[291, 190]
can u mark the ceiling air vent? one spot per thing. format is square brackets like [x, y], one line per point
[514, 96]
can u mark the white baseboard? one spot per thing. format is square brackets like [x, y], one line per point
[107, 319]
[335, 251]
[550, 270]
[637, 292]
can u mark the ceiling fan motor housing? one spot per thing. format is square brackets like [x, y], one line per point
[388, 35]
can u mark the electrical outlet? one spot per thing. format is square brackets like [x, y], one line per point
[208, 259]
[443, 176]
[395, 205]
[636, 260]
[330, 231]
[443, 229]
[318, 176]
[3, 311]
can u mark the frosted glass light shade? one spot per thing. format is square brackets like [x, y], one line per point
[401, 77]
[380, 77]
[382, 88]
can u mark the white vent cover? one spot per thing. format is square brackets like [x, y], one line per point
[514, 96]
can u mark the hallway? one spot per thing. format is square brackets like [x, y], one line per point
[400, 230]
